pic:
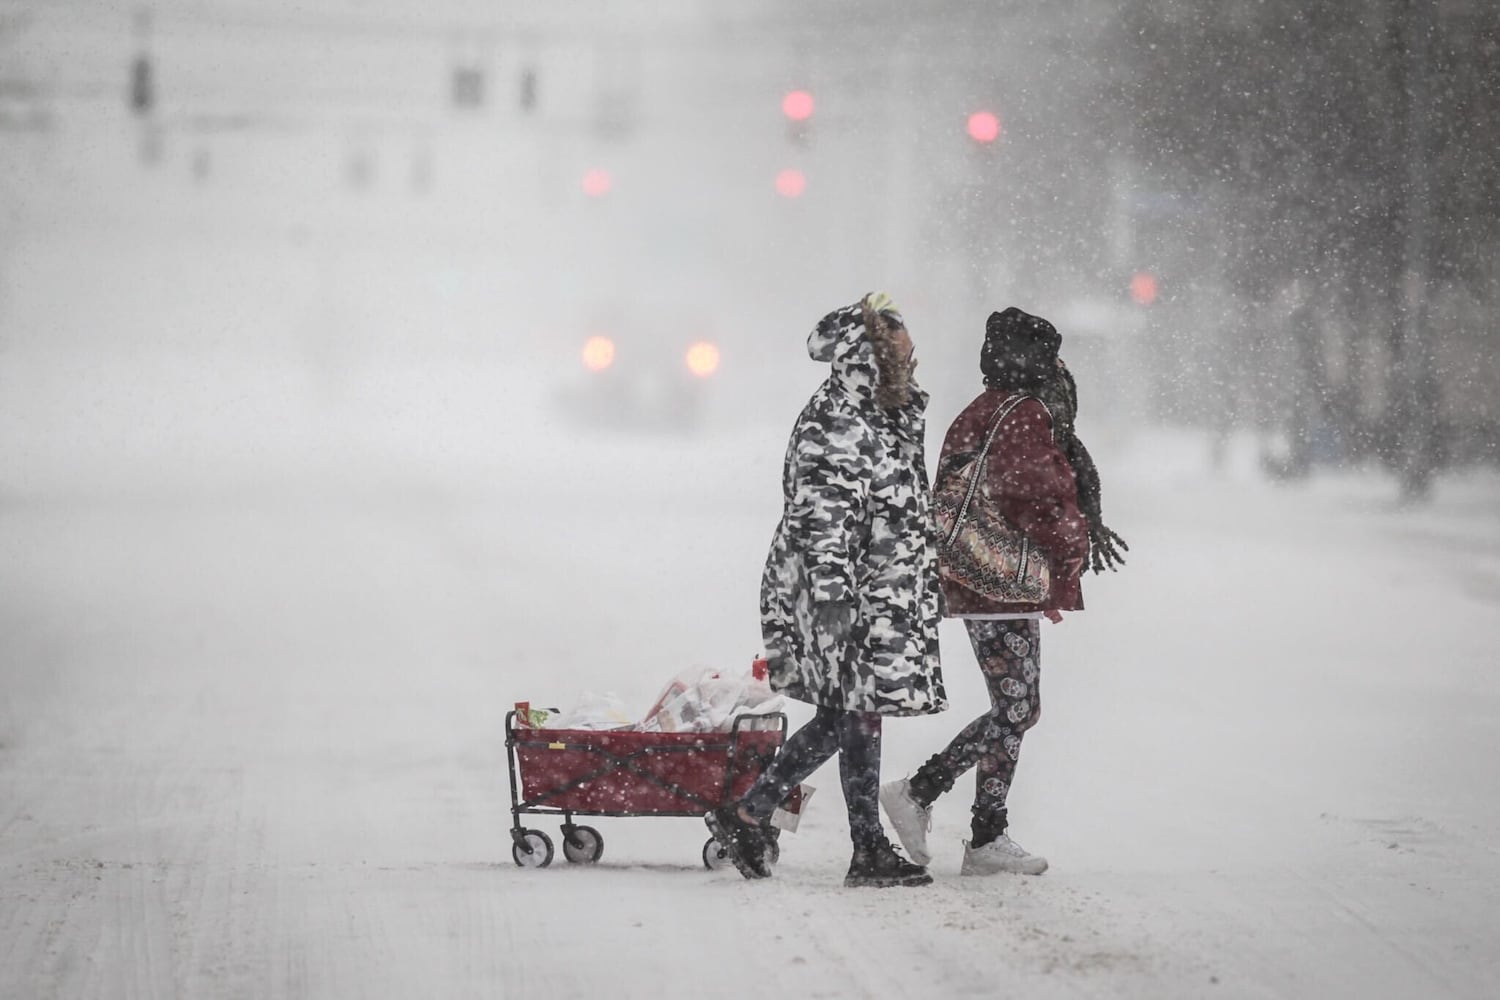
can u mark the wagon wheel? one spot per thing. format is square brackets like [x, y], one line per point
[533, 850]
[714, 855]
[582, 845]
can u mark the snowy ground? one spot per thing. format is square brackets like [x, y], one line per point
[250, 740]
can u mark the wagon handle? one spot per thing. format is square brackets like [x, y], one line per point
[736, 727]
[738, 724]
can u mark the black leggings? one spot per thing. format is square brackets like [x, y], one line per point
[855, 737]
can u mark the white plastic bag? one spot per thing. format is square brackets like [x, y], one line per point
[702, 700]
[595, 711]
[680, 707]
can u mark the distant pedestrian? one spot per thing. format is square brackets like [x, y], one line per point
[849, 596]
[1044, 483]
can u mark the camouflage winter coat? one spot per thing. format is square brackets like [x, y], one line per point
[856, 528]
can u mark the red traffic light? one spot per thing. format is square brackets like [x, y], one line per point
[797, 105]
[596, 183]
[984, 127]
[790, 183]
[1143, 288]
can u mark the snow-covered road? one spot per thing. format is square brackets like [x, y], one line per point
[250, 740]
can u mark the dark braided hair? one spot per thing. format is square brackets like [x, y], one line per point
[1059, 393]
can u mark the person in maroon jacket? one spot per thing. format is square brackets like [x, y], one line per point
[1028, 475]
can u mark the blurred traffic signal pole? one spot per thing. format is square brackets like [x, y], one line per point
[142, 80]
[980, 204]
[528, 93]
[1414, 400]
[798, 107]
[142, 90]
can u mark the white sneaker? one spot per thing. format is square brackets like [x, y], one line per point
[1000, 855]
[910, 820]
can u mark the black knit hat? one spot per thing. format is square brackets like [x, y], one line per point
[1020, 350]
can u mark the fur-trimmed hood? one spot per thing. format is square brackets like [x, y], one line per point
[856, 340]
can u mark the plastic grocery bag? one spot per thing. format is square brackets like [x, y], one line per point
[595, 711]
[788, 814]
[702, 700]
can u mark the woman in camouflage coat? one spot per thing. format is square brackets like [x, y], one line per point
[849, 597]
[850, 594]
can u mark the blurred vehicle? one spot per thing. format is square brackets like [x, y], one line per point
[641, 370]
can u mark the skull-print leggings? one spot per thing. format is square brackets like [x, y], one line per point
[1009, 654]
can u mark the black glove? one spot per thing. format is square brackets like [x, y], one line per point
[1102, 551]
[834, 619]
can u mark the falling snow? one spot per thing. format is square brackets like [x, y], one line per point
[367, 369]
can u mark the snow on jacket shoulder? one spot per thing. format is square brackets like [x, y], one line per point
[1032, 483]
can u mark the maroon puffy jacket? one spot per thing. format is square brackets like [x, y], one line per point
[1033, 485]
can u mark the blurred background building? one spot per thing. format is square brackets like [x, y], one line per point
[1262, 219]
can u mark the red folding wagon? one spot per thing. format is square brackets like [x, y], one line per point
[622, 772]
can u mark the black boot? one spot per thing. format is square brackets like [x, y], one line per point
[879, 865]
[745, 843]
